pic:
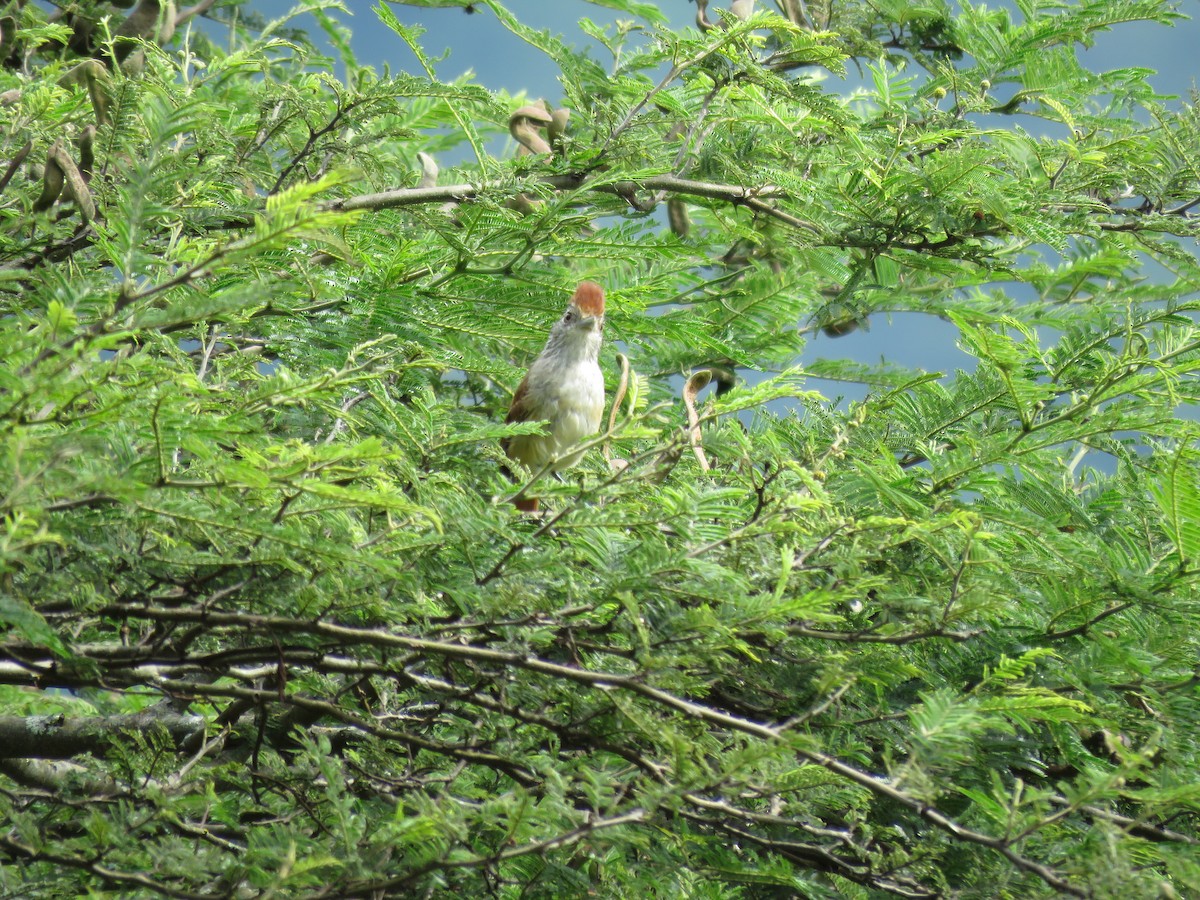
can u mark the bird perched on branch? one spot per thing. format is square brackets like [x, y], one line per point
[563, 388]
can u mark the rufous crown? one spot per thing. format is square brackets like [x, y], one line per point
[589, 298]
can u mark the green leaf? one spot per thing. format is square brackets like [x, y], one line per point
[1177, 491]
[30, 625]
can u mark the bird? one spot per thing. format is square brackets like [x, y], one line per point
[564, 388]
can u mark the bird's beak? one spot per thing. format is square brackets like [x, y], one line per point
[591, 323]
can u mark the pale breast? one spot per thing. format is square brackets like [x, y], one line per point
[580, 405]
[571, 400]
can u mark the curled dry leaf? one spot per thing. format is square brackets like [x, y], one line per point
[556, 130]
[534, 112]
[524, 126]
[618, 399]
[691, 388]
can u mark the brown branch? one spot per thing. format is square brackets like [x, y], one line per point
[19, 850]
[310, 145]
[822, 859]
[1182, 209]
[1136, 827]
[568, 735]
[882, 787]
[1083, 629]
[56, 778]
[514, 769]
[867, 637]
[752, 197]
[197, 10]
[60, 737]
[459, 193]
[633, 683]
[377, 888]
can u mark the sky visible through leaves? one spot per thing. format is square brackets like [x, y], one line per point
[479, 44]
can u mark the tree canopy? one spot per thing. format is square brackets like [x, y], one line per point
[269, 624]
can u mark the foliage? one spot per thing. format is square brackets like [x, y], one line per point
[271, 627]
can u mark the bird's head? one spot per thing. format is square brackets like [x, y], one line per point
[586, 309]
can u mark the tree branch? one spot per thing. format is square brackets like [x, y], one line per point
[459, 193]
[60, 737]
[18, 850]
[632, 683]
[377, 888]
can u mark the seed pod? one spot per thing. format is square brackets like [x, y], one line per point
[141, 24]
[52, 182]
[75, 187]
[87, 154]
[677, 217]
[94, 76]
[8, 36]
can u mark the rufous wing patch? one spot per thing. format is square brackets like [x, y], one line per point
[519, 411]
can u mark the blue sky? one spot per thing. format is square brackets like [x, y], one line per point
[500, 61]
[478, 43]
